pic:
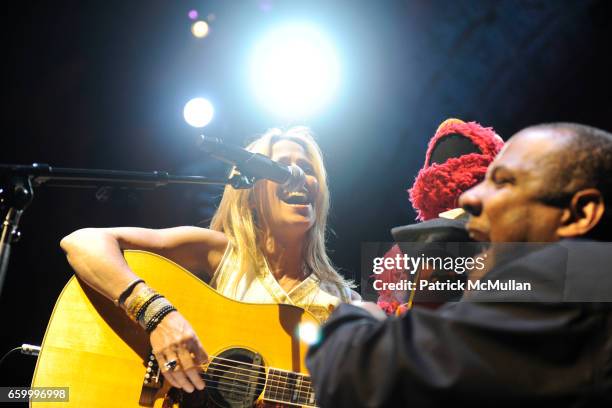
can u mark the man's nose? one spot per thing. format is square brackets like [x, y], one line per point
[470, 202]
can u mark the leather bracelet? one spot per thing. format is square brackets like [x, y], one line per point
[127, 292]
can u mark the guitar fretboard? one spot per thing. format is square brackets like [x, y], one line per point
[289, 388]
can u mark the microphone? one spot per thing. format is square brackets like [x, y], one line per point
[256, 165]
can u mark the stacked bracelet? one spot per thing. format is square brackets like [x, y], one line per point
[148, 308]
[136, 304]
[157, 318]
[151, 310]
[146, 305]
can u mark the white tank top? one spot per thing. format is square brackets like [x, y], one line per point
[258, 285]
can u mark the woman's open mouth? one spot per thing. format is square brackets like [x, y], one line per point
[296, 198]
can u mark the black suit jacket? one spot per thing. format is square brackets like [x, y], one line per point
[486, 351]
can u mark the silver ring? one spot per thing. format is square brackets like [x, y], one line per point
[170, 365]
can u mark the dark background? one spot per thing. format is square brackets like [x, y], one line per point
[103, 84]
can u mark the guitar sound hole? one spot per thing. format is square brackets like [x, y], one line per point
[234, 379]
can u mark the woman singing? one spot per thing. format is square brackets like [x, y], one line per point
[264, 245]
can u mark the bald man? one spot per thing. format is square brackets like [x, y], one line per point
[550, 184]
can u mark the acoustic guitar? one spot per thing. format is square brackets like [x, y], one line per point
[256, 352]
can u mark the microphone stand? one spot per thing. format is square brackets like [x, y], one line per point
[17, 183]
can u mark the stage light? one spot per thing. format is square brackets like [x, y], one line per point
[193, 14]
[294, 71]
[200, 29]
[309, 333]
[198, 112]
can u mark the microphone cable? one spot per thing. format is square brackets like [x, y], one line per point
[27, 349]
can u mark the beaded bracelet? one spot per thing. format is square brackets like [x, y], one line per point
[152, 309]
[154, 322]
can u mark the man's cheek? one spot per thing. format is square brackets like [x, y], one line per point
[511, 224]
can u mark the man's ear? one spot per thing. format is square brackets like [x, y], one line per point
[584, 212]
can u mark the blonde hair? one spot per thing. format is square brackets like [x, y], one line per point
[236, 216]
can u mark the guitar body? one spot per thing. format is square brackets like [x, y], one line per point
[93, 348]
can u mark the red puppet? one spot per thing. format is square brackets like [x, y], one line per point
[457, 159]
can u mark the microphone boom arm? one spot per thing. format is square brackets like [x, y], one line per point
[17, 183]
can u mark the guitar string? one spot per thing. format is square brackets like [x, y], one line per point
[240, 393]
[304, 404]
[247, 372]
[271, 377]
[243, 393]
[256, 365]
[304, 378]
[280, 382]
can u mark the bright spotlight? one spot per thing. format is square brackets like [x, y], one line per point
[198, 112]
[294, 71]
[199, 29]
[309, 333]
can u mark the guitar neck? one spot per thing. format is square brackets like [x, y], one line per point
[289, 388]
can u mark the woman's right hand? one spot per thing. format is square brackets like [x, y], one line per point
[175, 340]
